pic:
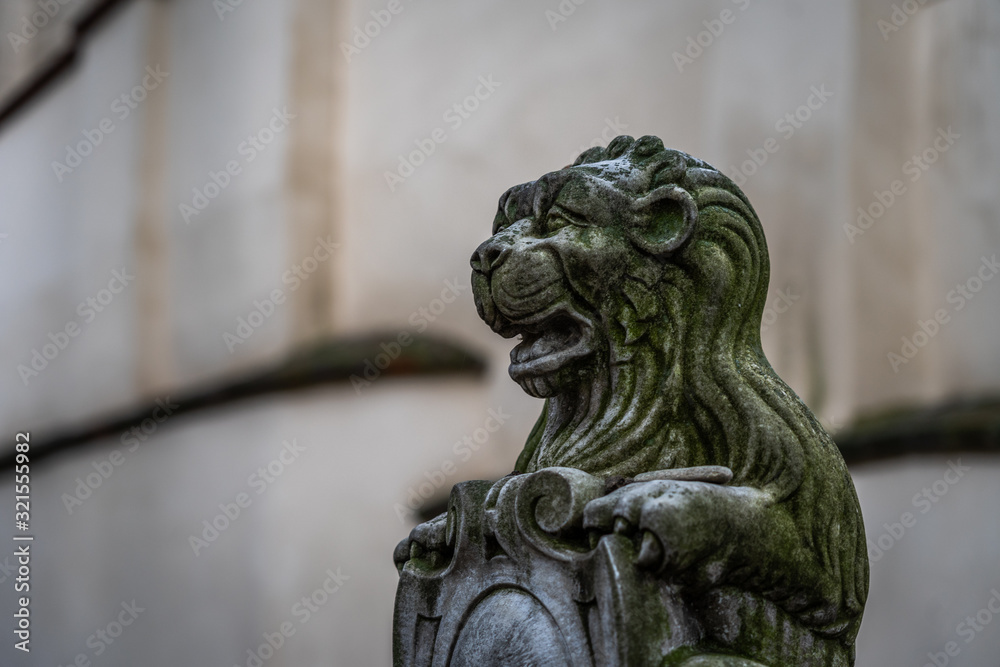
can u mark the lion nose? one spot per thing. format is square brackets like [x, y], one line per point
[488, 256]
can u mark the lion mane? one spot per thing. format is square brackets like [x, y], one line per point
[661, 267]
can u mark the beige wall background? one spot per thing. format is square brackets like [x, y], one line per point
[563, 76]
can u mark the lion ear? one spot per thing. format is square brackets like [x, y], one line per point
[663, 220]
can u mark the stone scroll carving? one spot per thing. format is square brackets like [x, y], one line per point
[676, 503]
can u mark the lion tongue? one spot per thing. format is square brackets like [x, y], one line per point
[542, 345]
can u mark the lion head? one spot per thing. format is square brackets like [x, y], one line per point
[636, 279]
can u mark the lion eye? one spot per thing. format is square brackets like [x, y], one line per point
[559, 217]
[554, 223]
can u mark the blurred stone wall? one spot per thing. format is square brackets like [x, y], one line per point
[272, 130]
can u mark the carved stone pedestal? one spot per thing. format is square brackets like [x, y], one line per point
[512, 578]
[519, 584]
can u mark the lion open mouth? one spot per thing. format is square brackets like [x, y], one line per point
[549, 342]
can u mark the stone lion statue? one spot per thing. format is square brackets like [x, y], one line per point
[636, 280]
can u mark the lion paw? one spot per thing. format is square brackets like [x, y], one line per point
[662, 517]
[426, 542]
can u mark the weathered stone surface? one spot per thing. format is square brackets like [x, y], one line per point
[676, 504]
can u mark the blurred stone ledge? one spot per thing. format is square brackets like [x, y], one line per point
[66, 32]
[970, 424]
[336, 360]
